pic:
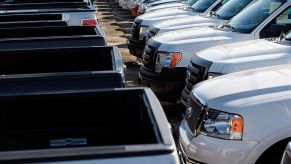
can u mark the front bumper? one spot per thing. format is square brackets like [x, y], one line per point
[167, 85]
[136, 47]
[210, 150]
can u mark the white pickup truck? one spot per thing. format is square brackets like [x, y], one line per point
[142, 23]
[235, 57]
[170, 5]
[145, 5]
[240, 118]
[166, 56]
[209, 17]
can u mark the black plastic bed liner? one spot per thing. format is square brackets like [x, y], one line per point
[43, 37]
[29, 17]
[53, 5]
[75, 125]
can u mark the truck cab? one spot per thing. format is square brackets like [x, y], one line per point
[229, 58]
[213, 16]
[166, 56]
[142, 23]
[239, 118]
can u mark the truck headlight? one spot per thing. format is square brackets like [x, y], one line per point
[143, 32]
[213, 75]
[167, 60]
[222, 125]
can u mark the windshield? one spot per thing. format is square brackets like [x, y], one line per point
[247, 20]
[202, 5]
[231, 8]
[190, 2]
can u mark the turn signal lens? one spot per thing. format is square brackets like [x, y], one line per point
[237, 127]
[176, 57]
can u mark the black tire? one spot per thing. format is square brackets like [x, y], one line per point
[273, 155]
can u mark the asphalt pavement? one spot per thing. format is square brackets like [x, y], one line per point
[117, 24]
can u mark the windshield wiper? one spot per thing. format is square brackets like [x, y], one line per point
[187, 8]
[213, 13]
[228, 26]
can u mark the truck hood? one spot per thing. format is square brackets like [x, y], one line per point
[186, 22]
[148, 19]
[255, 89]
[159, 2]
[190, 41]
[164, 6]
[246, 55]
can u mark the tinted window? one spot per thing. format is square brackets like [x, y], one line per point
[247, 20]
[202, 5]
[231, 8]
[190, 2]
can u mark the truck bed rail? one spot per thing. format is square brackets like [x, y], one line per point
[60, 5]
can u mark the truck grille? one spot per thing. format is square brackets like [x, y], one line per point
[151, 34]
[195, 74]
[194, 115]
[135, 31]
[149, 57]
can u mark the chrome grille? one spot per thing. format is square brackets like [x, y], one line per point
[194, 115]
[135, 31]
[151, 34]
[195, 74]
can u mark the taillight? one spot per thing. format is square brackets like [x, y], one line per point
[89, 22]
[134, 10]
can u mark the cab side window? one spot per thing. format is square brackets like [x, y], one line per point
[281, 24]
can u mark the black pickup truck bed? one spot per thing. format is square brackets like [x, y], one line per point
[45, 37]
[45, 6]
[60, 69]
[31, 20]
[42, 4]
[85, 125]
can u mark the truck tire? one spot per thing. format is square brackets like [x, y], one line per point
[274, 153]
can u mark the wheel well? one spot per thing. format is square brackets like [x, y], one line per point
[274, 153]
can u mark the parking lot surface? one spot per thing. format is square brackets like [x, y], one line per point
[117, 23]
